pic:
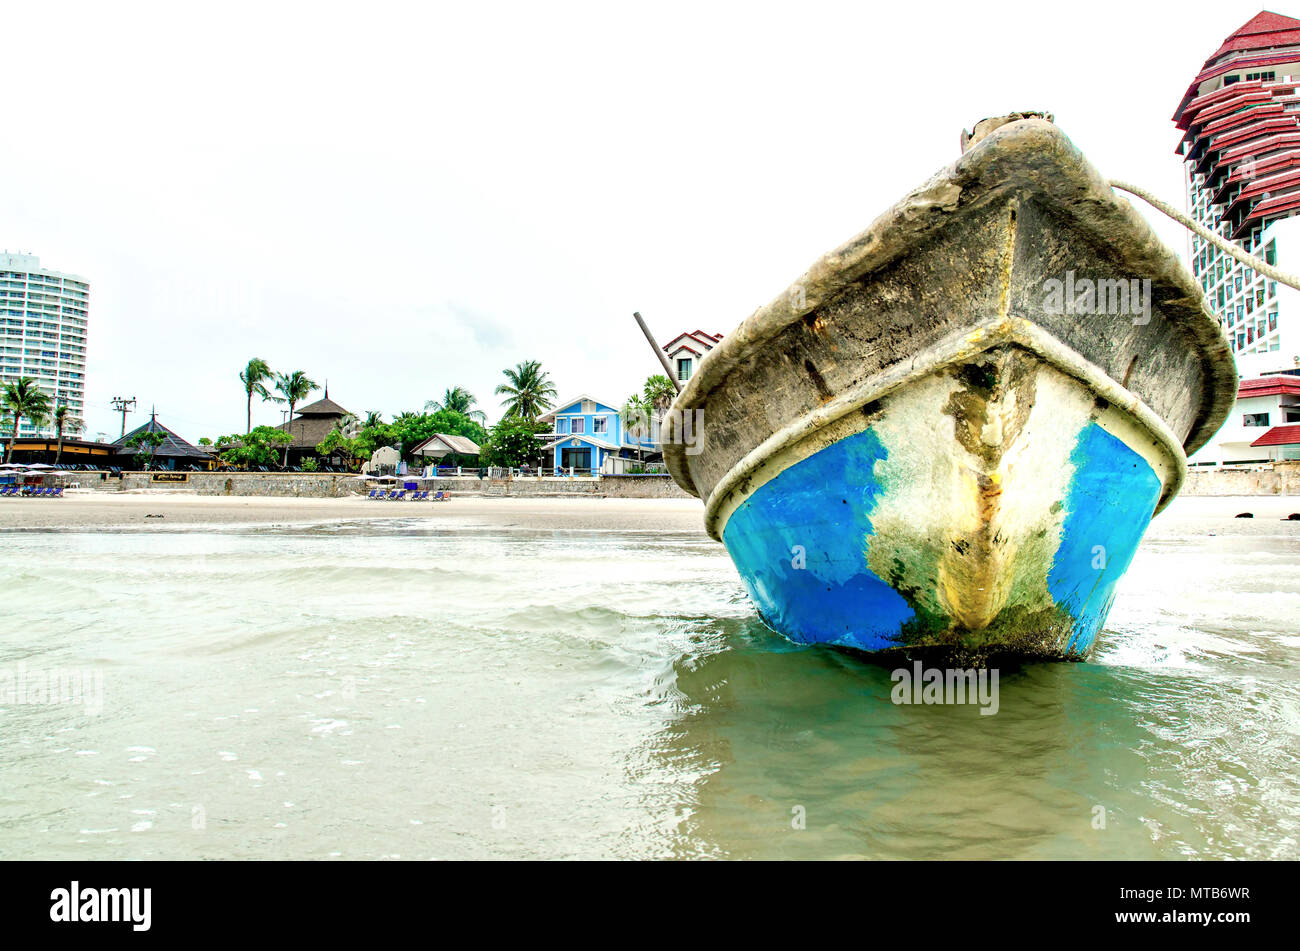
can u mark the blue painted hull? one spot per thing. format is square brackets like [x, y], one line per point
[804, 543]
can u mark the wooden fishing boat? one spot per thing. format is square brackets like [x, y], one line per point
[950, 434]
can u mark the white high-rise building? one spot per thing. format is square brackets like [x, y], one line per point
[43, 333]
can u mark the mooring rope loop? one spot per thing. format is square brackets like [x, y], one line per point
[1220, 242]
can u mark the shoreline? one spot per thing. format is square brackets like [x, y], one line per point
[163, 510]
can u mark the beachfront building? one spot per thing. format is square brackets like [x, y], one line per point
[589, 437]
[1264, 425]
[43, 333]
[445, 449]
[172, 453]
[687, 349]
[311, 424]
[76, 453]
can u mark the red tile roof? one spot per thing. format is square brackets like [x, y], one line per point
[1264, 31]
[1280, 384]
[1288, 435]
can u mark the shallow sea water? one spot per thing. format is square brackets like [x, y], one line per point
[388, 689]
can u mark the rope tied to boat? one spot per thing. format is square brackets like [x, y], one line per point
[1220, 242]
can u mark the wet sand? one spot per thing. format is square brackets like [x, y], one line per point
[164, 511]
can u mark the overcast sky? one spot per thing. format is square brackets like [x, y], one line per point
[403, 198]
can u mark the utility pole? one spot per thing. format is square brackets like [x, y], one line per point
[122, 405]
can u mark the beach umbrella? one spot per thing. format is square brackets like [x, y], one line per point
[38, 465]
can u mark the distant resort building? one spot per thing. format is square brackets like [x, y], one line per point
[1264, 425]
[80, 453]
[588, 436]
[172, 453]
[686, 350]
[43, 317]
[311, 425]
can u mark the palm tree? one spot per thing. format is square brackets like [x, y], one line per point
[659, 392]
[373, 419]
[254, 377]
[637, 415]
[528, 392]
[64, 422]
[657, 395]
[23, 397]
[295, 386]
[458, 400]
[348, 425]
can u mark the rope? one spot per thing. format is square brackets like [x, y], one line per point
[1220, 242]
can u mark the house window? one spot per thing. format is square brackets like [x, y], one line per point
[600, 424]
[1254, 419]
[684, 368]
[561, 425]
[579, 424]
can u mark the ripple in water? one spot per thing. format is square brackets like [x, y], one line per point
[366, 691]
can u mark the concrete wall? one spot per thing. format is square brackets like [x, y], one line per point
[320, 485]
[279, 484]
[1282, 479]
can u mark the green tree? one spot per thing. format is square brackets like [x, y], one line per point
[254, 377]
[143, 446]
[659, 392]
[260, 447]
[527, 391]
[512, 442]
[64, 421]
[23, 398]
[337, 443]
[459, 400]
[294, 388]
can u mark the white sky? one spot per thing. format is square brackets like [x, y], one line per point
[402, 198]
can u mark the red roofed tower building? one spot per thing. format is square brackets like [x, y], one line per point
[1240, 120]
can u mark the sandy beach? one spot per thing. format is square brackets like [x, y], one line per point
[167, 511]
[164, 511]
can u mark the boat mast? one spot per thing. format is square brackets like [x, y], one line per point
[663, 357]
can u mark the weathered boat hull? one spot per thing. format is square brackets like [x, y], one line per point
[911, 450]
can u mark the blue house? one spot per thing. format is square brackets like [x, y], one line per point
[589, 436]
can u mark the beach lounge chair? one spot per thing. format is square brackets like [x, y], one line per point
[58, 492]
[374, 493]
